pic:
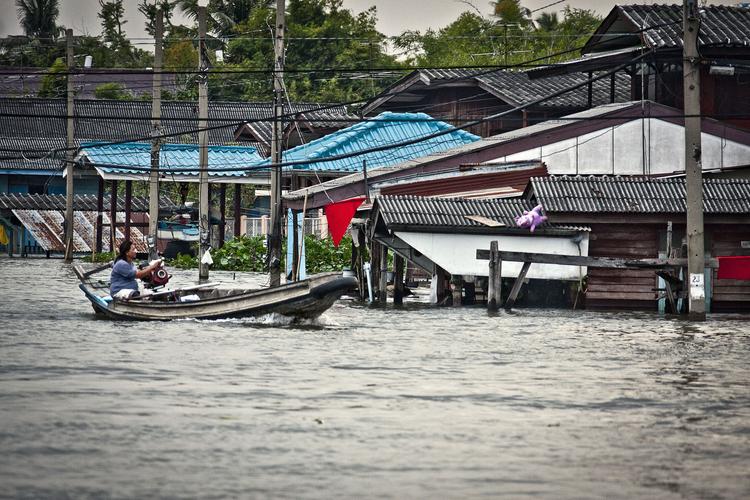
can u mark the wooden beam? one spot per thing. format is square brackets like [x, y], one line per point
[576, 260]
[99, 212]
[398, 279]
[113, 216]
[128, 202]
[517, 286]
[237, 209]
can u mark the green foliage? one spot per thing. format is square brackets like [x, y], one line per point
[54, 84]
[112, 90]
[38, 18]
[322, 256]
[241, 254]
[183, 261]
[100, 257]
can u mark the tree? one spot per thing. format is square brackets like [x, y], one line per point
[511, 12]
[53, 83]
[547, 21]
[38, 18]
[112, 90]
[150, 9]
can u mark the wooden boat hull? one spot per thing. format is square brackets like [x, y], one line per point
[301, 299]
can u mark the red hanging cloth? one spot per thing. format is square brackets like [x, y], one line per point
[339, 216]
[734, 268]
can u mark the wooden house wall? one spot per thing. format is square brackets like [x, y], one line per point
[729, 295]
[622, 288]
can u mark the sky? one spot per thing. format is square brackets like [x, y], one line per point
[394, 16]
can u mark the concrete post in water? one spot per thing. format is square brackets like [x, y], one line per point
[494, 283]
[70, 144]
[153, 180]
[457, 284]
[203, 217]
[693, 168]
[276, 137]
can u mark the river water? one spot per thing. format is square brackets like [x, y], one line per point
[418, 402]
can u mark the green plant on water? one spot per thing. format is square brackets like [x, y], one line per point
[322, 256]
[245, 253]
[183, 261]
[99, 257]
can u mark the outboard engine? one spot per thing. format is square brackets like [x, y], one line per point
[158, 277]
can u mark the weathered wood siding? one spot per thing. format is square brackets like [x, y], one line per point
[622, 288]
[729, 295]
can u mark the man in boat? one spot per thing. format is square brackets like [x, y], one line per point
[123, 282]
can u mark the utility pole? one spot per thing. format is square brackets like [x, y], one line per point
[205, 225]
[70, 154]
[153, 185]
[274, 261]
[693, 167]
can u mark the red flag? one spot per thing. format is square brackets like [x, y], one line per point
[339, 216]
[734, 268]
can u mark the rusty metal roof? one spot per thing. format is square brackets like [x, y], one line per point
[637, 195]
[86, 202]
[419, 213]
[46, 227]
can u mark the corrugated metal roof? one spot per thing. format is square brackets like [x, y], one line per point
[384, 130]
[131, 120]
[177, 159]
[516, 88]
[638, 195]
[85, 202]
[46, 227]
[721, 26]
[483, 143]
[11, 159]
[415, 212]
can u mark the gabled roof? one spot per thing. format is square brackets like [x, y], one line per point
[175, 159]
[721, 27]
[111, 120]
[422, 213]
[83, 202]
[512, 87]
[637, 195]
[384, 130]
[41, 160]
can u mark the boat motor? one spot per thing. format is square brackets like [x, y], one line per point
[157, 278]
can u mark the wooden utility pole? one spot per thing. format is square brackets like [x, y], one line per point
[274, 262]
[153, 181]
[70, 154]
[205, 225]
[693, 167]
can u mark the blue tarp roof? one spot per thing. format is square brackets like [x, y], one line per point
[383, 130]
[172, 158]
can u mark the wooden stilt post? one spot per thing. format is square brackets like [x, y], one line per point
[113, 217]
[99, 216]
[128, 200]
[383, 292]
[440, 275]
[398, 279]
[517, 286]
[494, 283]
[223, 210]
[457, 284]
[237, 210]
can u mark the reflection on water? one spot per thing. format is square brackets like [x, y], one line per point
[417, 402]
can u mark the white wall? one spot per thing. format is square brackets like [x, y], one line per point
[456, 253]
[637, 147]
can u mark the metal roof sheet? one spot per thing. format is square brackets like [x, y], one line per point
[177, 159]
[637, 195]
[46, 227]
[84, 202]
[452, 214]
[516, 88]
[109, 120]
[384, 130]
[721, 26]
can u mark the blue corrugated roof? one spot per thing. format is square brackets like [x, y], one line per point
[134, 156]
[383, 130]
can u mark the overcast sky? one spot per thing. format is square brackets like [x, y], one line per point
[394, 16]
